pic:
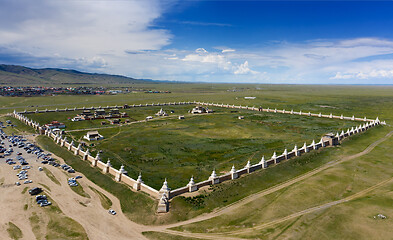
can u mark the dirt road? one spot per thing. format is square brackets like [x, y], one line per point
[226, 235]
[278, 187]
[98, 224]
[313, 209]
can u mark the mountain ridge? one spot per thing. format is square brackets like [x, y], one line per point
[20, 75]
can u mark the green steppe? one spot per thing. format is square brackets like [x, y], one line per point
[350, 220]
[178, 149]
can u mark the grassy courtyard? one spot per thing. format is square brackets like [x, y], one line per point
[168, 147]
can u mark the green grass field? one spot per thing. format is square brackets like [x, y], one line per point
[351, 220]
[370, 101]
[178, 149]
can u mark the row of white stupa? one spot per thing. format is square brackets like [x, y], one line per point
[165, 189]
[353, 118]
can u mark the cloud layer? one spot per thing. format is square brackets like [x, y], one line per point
[86, 32]
[120, 37]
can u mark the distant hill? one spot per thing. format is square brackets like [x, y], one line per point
[19, 75]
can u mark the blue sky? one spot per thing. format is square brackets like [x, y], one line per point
[338, 42]
[233, 22]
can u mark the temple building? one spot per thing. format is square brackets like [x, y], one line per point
[161, 113]
[55, 124]
[200, 110]
[93, 136]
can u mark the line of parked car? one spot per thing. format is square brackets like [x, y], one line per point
[16, 141]
[19, 142]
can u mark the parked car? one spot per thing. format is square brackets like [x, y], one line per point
[111, 211]
[72, 182]
[35, 191]
[42, 200]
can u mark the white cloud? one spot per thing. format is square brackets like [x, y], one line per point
[383, 73]
[340, 75]
[200, 51]
[81, 29]
[203, 56]
[220, 60]
[320, 60]
[228, 50]
[244, 69]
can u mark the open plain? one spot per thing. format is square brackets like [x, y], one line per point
[335, 192]
[201, 119]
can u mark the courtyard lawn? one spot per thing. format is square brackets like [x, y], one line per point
[175, 149]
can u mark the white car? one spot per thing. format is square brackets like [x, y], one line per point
[77, 119]
[111, 211]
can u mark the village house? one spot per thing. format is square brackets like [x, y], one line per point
[114, 112]
[115, 121]
[99, 113]
[86, 115]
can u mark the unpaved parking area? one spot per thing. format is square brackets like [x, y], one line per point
[96, 220]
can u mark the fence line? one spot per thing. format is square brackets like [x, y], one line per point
[165, 193]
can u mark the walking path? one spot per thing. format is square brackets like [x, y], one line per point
[313, 209]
